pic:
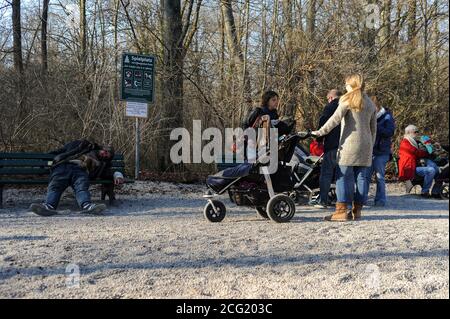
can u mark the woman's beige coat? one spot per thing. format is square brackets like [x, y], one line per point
[358, 132]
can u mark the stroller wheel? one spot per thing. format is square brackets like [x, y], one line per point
[444, 192]
[214, 215]
[261, 211]
[281, 208]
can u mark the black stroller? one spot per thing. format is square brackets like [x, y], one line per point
[306, 172]
[246, 186]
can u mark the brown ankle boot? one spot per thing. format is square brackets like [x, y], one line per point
[356, 211]
[340, 215]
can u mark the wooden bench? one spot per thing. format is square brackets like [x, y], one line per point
[34, 169]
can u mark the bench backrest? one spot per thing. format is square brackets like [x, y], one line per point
[39, 163]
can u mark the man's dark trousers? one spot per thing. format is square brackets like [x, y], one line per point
[65, 175]
[327, 171]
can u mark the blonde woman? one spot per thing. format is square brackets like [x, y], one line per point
[357, 115]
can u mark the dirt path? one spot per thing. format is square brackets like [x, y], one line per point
[156, 244]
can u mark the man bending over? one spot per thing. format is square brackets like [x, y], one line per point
[74, 165]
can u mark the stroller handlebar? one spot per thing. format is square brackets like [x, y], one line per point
[306, 134]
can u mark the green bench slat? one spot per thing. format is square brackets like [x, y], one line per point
[42, 156]
[45, 181]
[33, 171]
[23, 181]
[40, 163]
[24, 171]
[24, 163]
[17, 164]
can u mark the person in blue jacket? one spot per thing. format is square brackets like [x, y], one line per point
[381, 151]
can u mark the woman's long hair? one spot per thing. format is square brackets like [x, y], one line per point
[266, 97]
[354, 99]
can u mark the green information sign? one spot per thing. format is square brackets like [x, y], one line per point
[138, 78]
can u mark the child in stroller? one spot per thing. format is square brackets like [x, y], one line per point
[267, 193]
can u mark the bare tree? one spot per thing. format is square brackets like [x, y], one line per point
[176, 37]
[412, 22]
[17, 36]
[44, 23]
[83, 34]
[311, 18]
[385, 32]
[233, 42]
[292, 76]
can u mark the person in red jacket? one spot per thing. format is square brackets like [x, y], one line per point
[411, 151]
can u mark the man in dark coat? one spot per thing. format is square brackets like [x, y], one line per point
[331, 143]
[74, 165]
[381, 151]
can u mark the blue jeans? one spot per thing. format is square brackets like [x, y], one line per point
[346, 178]
[428, 172]
[326, 174]
[379, 167]
[66, 175]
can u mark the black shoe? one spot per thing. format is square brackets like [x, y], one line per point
[91, 208]
[425, 195]
[436, 196]
[43, 209]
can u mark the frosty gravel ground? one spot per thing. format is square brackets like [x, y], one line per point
[156, 244]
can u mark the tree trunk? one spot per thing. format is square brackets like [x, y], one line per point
[385, 34]
[116, 48]
[231, 33]
[44, 55]
[368, 39]
[19, 78]
[233, 42]
[172, 87]
[411, 29]
[83, 34]
[412, 24]
[222, 58]
[17, 36]
[263, 34]
[298, 14]
[398, 24]
[274, 33]
[436, 57]
[237, 57]
[311, 19]
[291, 73]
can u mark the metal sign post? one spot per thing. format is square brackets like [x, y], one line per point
[137, 88]
[138, 150]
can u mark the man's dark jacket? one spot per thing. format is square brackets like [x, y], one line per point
[75, 149]
[331, 140]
